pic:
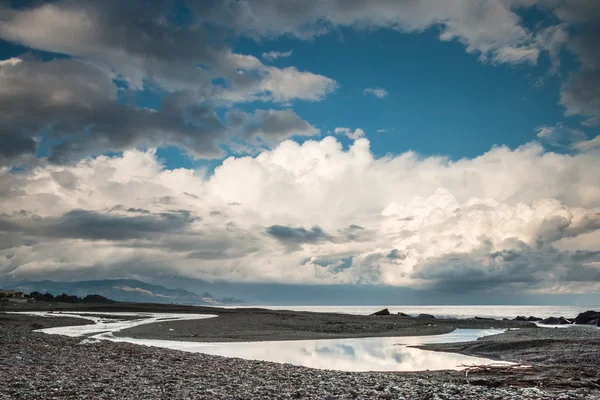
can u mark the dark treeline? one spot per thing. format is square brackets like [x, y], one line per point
[65, 298]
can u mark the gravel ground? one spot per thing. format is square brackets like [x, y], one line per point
[573, 346]
[38, 366]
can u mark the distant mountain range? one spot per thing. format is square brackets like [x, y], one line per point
[128, 290]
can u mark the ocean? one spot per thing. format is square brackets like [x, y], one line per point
[447, 311]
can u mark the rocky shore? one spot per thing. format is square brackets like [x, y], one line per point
[39, 366]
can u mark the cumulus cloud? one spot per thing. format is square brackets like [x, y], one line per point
[356, 134]
[311, 213]
[274, 55]
[377, 92]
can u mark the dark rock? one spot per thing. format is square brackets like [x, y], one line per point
[403, 315]
[484, 318]
[586, 317]
[533, 319]
[520, 318]
[428, 316]
[385, 311]
[555, 321]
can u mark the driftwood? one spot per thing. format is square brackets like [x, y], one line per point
[499, 368]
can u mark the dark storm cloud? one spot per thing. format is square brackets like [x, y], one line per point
[396, 254]
[270, 125]
[227, 251]
[296, 236]
[580, 93]
[82, 224]
[151, 37]
[76, 104]
[521, 264]
[589, 223]
[162, 47]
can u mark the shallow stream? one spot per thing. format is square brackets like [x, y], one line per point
[358, 354]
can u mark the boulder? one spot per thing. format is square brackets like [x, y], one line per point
[520, 318]
[586, 317]
[484, 318]
[385, 311]
[555, 321]
[534, 319]
[428, 316]
[403, 315]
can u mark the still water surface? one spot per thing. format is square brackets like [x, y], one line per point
[364, 354]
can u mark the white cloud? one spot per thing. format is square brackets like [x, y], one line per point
[587, 145]
[10, 62]
[492, 29]
[560, 135]
[377, 92]
[517, 55]
[356, 134]
[274, 55]
[147, 54]
[288, 83]
[294, 213]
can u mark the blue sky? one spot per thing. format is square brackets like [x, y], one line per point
[438, 146]
[441, 100]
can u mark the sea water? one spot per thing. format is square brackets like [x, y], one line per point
[497, 312]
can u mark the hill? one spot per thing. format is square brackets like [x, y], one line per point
[128, 290]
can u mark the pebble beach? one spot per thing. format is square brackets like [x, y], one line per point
[34, 365]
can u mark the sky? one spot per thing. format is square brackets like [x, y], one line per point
[404, 147]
